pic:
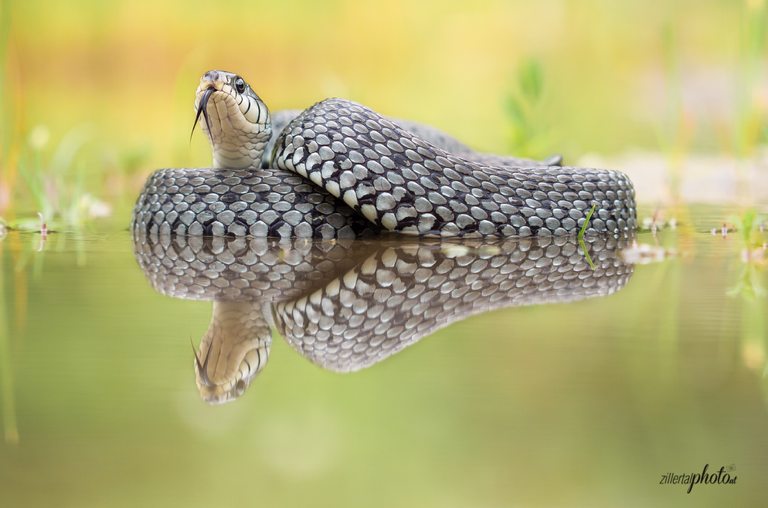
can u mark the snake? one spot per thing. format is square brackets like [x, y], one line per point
[346, 305]
[340, 170]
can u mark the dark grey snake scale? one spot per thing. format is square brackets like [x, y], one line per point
[340, 170]
[403, 184]
[240, 202]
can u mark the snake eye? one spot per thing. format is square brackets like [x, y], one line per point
[240, 85]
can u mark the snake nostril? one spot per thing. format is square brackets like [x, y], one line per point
[211, 75]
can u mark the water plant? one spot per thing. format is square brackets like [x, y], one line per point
[524, 107]
[751, 117]
[753, 254]
[676, 131]
[54, 176]
[750, 224]
[6, 120]
[580, 236]
[55, 182]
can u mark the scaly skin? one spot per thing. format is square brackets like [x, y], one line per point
[403, 184]
[339, 170]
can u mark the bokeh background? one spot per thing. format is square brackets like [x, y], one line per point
[97, 94]
[585, 404]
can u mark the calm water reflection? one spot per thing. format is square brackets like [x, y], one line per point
[586, 403]
[346, 305]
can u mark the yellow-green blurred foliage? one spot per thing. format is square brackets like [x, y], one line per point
[615, 74]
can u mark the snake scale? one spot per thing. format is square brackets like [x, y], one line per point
[340, 170]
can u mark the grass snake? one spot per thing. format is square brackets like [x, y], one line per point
[340, 170]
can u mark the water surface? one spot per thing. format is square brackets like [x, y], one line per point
[582, 392]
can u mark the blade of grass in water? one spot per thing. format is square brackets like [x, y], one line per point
[583, 229]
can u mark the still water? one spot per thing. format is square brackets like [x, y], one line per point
[516, 373]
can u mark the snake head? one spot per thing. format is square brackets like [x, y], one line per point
[233, 351]
[236, 120]
[218, 390]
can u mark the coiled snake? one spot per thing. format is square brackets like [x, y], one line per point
[340, 170]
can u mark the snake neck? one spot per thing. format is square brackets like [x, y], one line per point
[238, 149]
[233, 350]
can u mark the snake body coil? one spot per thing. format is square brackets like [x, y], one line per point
[340, 170]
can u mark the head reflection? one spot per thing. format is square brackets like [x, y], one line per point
[348, 305]
[233, 350]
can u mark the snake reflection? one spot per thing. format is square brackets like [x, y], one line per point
[347, 305]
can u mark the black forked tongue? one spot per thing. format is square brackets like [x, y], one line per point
[202, 109]
[202, 368]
